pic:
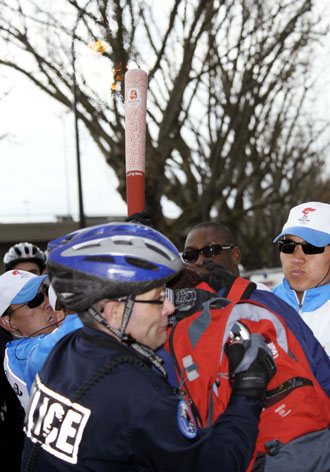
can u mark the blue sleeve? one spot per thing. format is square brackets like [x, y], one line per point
[40, 352]
[316, 355]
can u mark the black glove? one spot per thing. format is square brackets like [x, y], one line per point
[188, 301]
[187, 278]
[251, 366]
[142, 217]
[219, 278]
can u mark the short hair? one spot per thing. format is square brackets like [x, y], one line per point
[219, 228]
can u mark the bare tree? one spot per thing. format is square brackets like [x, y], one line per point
[230, 135]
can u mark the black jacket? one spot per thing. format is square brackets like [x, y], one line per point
[99, 406]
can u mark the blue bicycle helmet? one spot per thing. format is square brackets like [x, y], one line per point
[109, 261]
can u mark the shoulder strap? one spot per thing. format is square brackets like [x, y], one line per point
[179, 371]
[240, 289]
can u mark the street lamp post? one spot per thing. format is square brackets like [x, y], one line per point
[82, 221]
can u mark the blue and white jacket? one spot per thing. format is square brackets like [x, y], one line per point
[25, 357]
[314, 309]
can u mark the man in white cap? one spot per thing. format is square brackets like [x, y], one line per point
[304, 245]
[17, 320]
[24, 306]
[27, 313]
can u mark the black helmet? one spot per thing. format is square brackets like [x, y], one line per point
[109, 260]
[24, 252]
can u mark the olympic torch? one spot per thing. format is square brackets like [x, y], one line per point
[136, 83]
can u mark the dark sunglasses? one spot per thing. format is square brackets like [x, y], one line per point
[207, 251]
[287, 246]
[35, 302]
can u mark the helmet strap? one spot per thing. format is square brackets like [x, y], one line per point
[99, 318]
[143, 350]
[126, 315]
[150, 354]
[120, 333]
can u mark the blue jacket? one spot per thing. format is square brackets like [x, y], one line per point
[314, 309]
[314, 298]
[25, 357]
[99, 406]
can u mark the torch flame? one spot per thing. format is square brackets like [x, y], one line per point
[99, 46]
[118, 75]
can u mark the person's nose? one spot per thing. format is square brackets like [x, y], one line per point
[46, 304]
[200, 259]
[168, 307]
[298, 254]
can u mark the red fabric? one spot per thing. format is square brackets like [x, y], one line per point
[303, 410]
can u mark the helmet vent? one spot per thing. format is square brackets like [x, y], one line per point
[141, 263]
[66, 239]
[99, 259]
[157, 249]
[122, 241]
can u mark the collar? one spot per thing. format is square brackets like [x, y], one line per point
[313, 298]
[134, 349]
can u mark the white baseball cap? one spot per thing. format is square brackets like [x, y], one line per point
[18, 286]
[309, 221]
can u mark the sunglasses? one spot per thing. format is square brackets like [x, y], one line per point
[287, 246]
[207, 251]
[35, 302]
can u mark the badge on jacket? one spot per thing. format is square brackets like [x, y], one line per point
[186, 421]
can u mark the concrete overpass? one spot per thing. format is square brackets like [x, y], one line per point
[41, 233]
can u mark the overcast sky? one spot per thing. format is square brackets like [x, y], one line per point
[38, 176]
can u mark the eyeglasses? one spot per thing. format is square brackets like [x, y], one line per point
[160, 301]
[34, 303]
[287, 246]
[207, 251]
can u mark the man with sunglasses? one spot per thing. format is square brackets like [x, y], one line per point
[210, 248]
[304, 246]
[17, 288]
[26, 315]
[210, 240]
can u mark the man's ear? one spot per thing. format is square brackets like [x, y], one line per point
[236, 255]
[112, 312]
[58, 316]
[5, 324]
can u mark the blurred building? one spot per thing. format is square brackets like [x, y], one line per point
[269, 277]
[41, 233]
